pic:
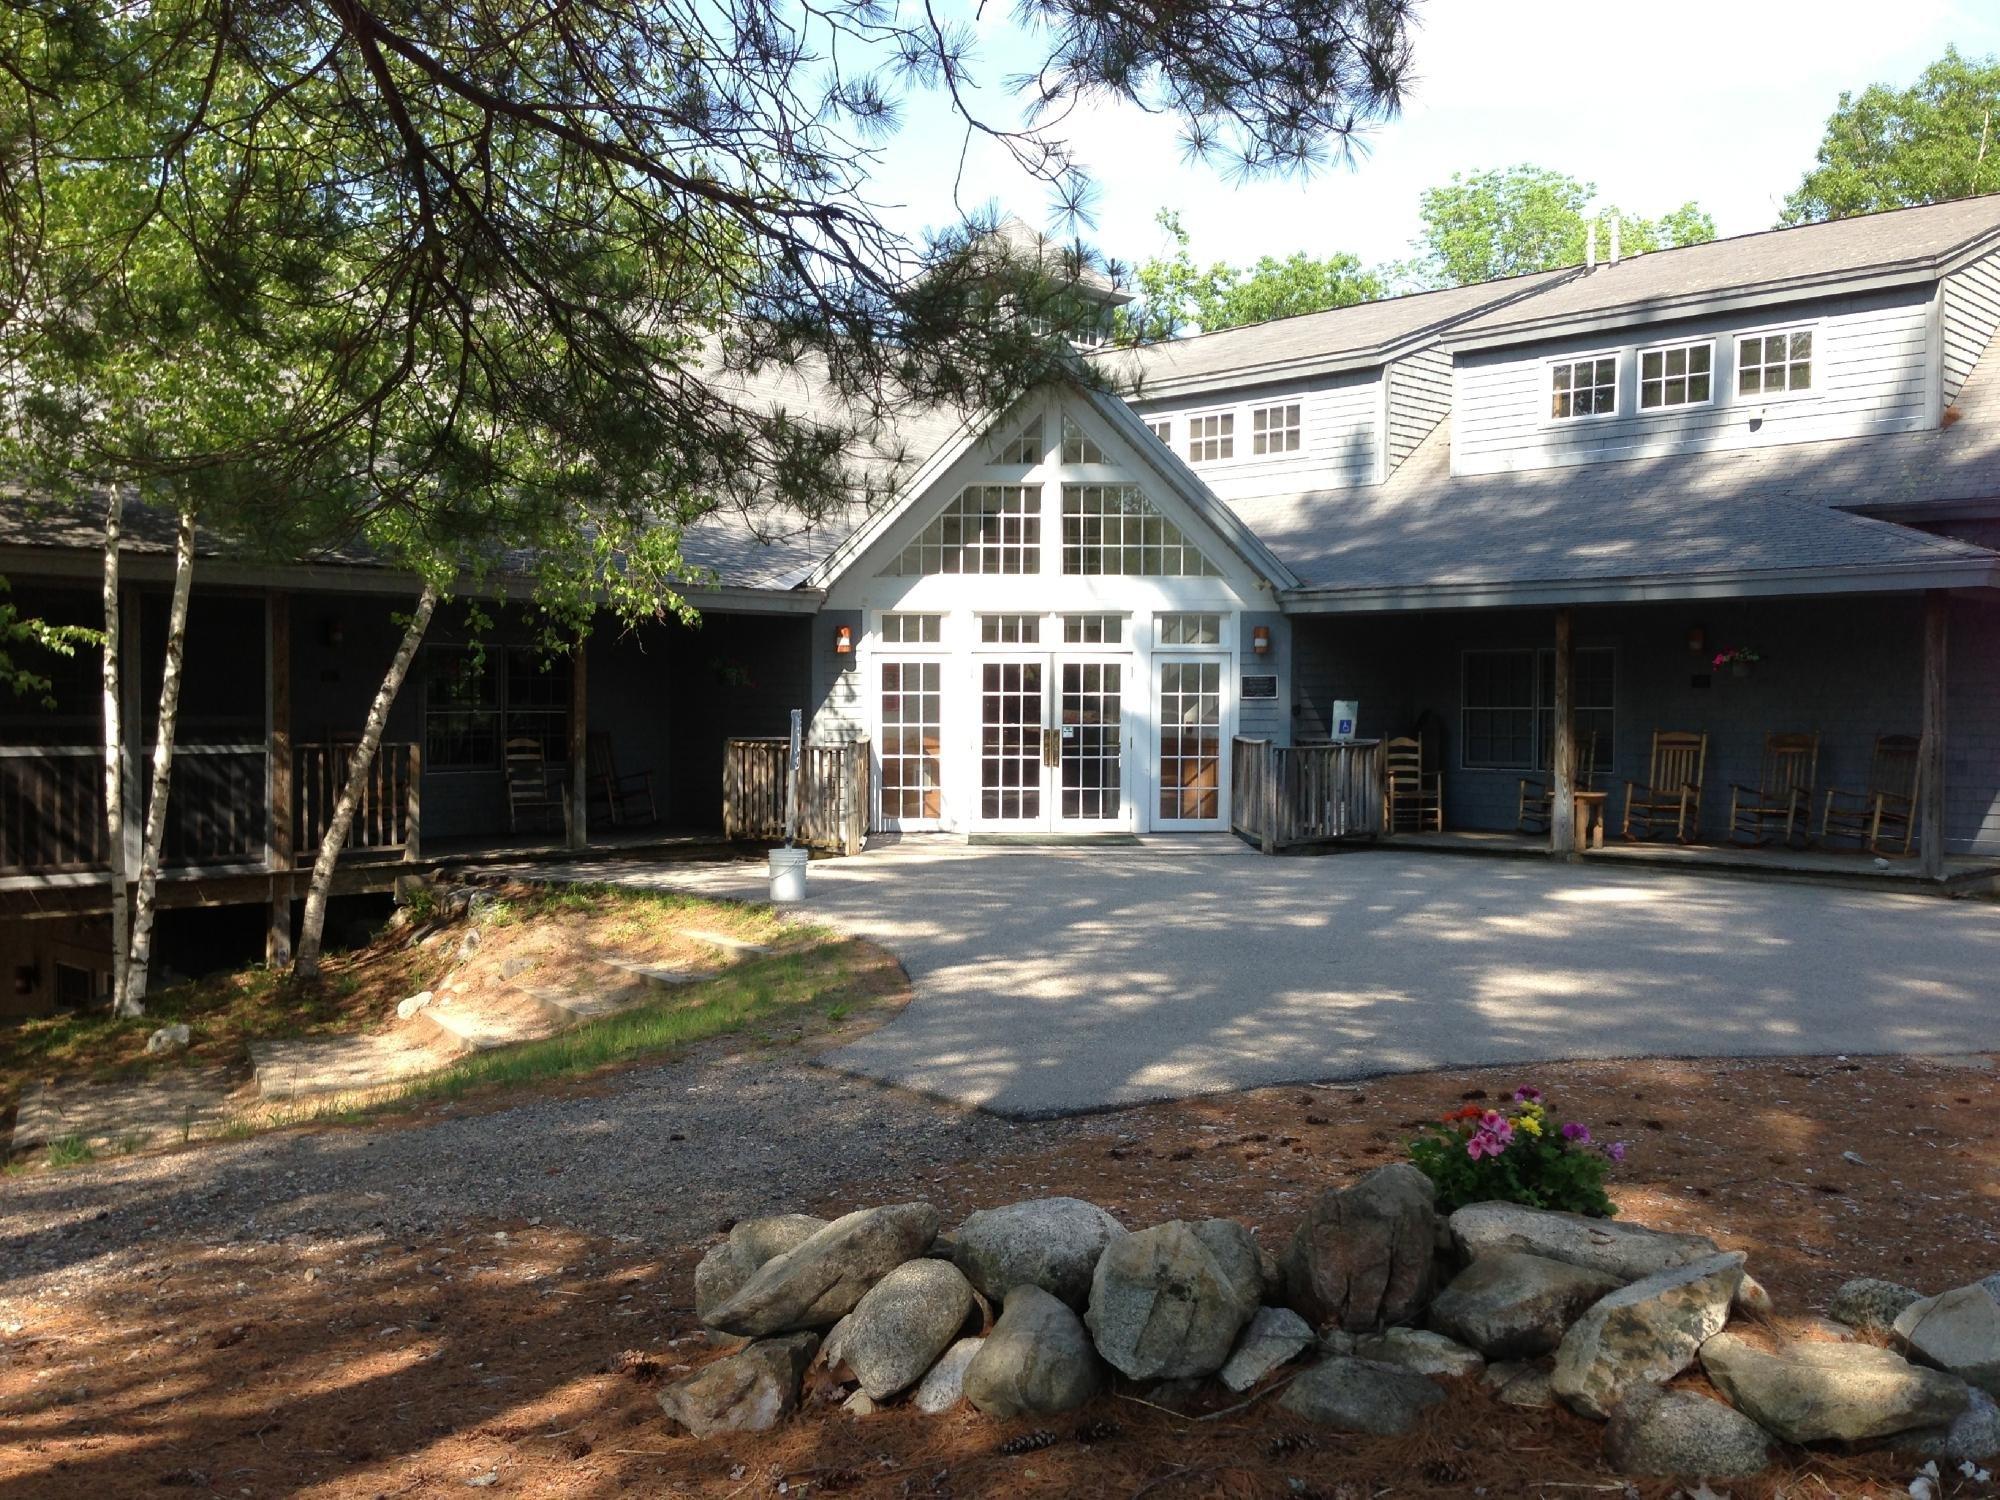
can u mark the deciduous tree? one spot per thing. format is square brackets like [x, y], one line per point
[1177, 296]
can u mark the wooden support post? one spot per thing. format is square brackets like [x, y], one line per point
[579, 746]
[413, 807]
[1271, 799]
[279, 849]
[1562, 756]
[1930, 750]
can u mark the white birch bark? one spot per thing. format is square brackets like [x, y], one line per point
[163, 768]
[313, 924]
[114, 752]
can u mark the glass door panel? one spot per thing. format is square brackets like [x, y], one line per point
[1190, 768]
[1011, 744]
[912, 732]
[1091, 724]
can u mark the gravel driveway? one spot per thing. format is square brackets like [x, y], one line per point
[1052, 980]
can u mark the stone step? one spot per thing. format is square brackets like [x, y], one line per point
[565, 1008]
[488, 1026]
[651, 972]
[725, 942]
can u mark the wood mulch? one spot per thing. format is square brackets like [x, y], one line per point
[523, 1359]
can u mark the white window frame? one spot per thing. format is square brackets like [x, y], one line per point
[1225, 631]
[1195, 436]
[1161, 428]
[1617, 358]
[1260, 438]
[878, 630]
[1815, 327]
[1639, 406]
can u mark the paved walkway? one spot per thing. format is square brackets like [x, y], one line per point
[1059, 980]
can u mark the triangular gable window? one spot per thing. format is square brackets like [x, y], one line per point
[1114, 529]
[1078, 446]
[989, 528]
[1025, 447]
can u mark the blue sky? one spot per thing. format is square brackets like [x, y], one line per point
[1722, 101]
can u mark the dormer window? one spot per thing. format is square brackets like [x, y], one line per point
[1677, 375]
[1772, 364]
[1275, 429]
[1211, 437]
[1583, 387]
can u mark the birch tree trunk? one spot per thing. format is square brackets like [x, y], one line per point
[313, 924]
[114, 752]
[163, 769]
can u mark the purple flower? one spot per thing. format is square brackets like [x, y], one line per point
[1528, 1093]
[1578, 1133]
[1616, 1150]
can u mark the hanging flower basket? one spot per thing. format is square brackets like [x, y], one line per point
[1739, 660]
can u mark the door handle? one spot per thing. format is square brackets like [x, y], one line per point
[1051, 748]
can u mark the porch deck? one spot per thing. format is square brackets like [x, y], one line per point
[1964, 875]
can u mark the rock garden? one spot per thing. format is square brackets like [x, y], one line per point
[1388, 1299]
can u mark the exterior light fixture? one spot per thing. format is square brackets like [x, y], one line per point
[1260, 639]
[1697, 639]
[843, 640]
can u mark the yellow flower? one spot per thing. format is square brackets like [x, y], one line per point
[1529, 1123]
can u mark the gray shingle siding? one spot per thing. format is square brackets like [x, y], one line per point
[1419, 398]
[1971, 313]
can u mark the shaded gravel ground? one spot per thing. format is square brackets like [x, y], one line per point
[660, 1155]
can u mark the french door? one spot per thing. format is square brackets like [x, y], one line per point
[1190, 759]
[1052, 743]
[912, 734]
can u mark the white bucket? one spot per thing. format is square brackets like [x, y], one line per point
[788, 874]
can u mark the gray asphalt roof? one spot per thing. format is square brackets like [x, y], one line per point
[1913, 240]
[1342, 336]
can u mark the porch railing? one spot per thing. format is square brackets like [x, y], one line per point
[1287, 796]
[388, 814]
[833, 792]
[52, 809]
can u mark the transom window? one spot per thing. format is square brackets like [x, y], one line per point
[1114, 529]
[1093, 630]
[1507, 707]
[1275, 429]
[1189, 629]
[1211, 437]
[1078, 446]
[1769, 364]
[1583, 387]
[1678, 375]
[912, 630]
[1010, 630]
[989, 528]
[1025, 447]
[1163, 429]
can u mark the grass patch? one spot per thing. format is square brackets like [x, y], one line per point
[780, 997]
[70, 1151]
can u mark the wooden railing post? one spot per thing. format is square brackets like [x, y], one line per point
[1270, 844]
[279, 849]
[1562, 765]
[413, 805]
[579, 747]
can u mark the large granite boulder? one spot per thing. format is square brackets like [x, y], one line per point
[900, 1326]
[1358, 1395]
[1037, 1359]
[1871, 1305]
[1274, 1336]
[1512, 1305]
[752, 1242]
[1813, 1392]
[1052, 1243]
[1421, 1352]
[1168, 1302]
[1361, 1259]
[749, 1391]
[1957, 1331]
[1973, 1436]
[1674, 1433]
[1626, 1251]
[943, 1385]
[818, 1282]
[1645, 1333]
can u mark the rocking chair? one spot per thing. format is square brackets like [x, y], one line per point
[627, 798]
[531, 794]
[1670, 796]
[1412, 797]
[1538, 793]
[1783, 795]
[1885, 814]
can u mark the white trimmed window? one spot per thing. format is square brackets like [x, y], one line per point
[1114, 529]
[1676, 375]
[989, 528]
[1093, 630]
[1583, 387]
[1275, 429]
[1773, 364]
[1189, 629]
[1010, 630]
[1162, 428]
[1078, 446]
[912, 630]
[1211, 437]
[1025, 447]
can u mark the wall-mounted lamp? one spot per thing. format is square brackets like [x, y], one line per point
[1260, 639]
[333, 632]
[1697, 639]
[843, 640]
